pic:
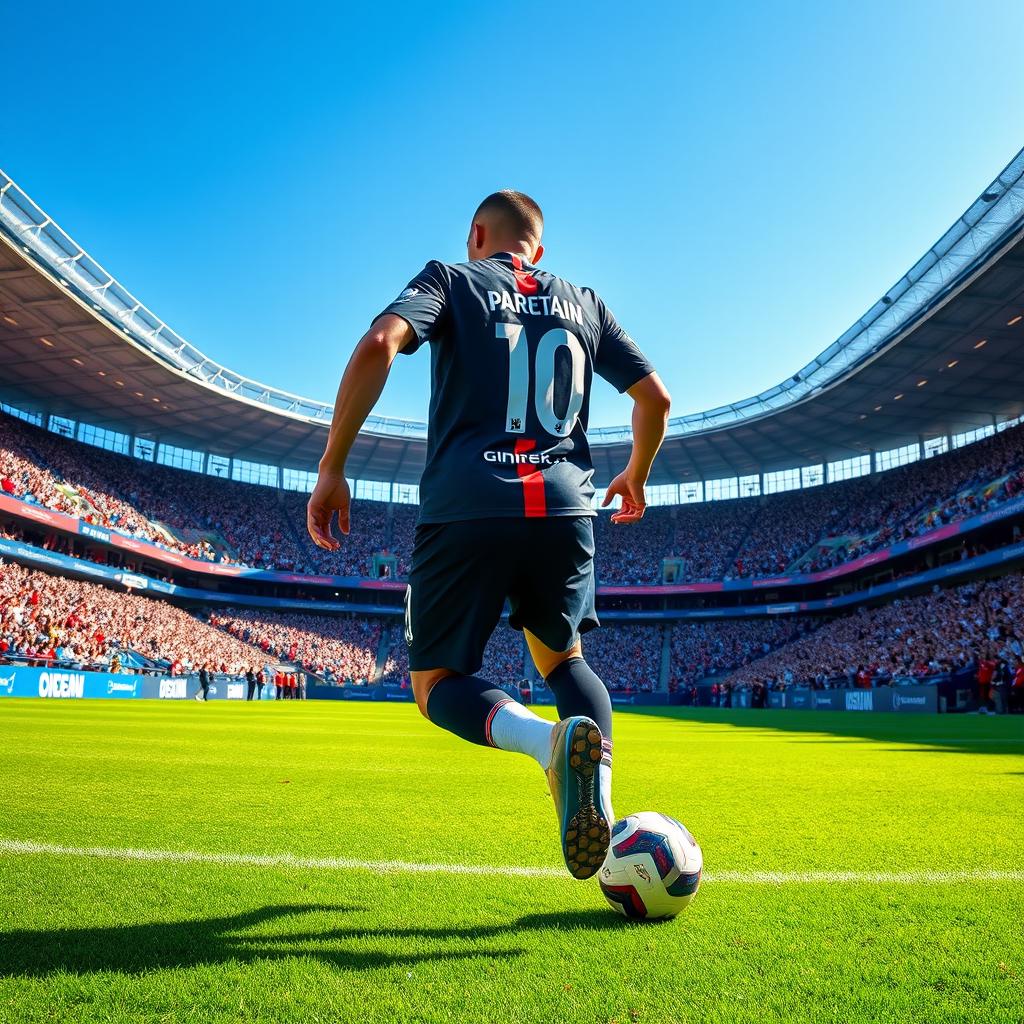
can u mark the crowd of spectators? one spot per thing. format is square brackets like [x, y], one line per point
[626, 657]
[632, 554]
[30, 469]
[943, 632]
[707, 536]
[201, 516]
[338, 648]
[856, 517]
[370, 530]
[48, 619]
[704, 648]
[396, 660]
[975, 630]
[222, 520]
[504, 656]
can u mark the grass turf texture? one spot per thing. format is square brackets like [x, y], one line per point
[88, 939]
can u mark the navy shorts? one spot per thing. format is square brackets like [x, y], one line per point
[463, 572]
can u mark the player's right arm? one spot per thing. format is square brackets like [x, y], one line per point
[361, 386]
[402, 327]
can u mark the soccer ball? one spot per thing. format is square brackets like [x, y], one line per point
[653, 867]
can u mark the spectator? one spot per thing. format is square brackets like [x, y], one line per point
[204, 684]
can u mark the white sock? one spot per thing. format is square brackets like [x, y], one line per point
[605, 775]
[514, 727]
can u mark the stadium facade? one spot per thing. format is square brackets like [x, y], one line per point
[934, 362]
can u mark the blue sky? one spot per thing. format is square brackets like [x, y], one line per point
[740, 183]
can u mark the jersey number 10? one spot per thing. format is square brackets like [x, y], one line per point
[544, 379]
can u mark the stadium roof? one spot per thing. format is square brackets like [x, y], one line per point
[941, 352]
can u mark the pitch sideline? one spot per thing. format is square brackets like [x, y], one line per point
[21, 847]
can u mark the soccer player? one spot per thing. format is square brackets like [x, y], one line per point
[505, 497]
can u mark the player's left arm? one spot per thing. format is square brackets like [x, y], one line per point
[651, 405]
[361, 386]
[622, 364]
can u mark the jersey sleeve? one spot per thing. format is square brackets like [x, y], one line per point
[424, 303]
[618, 360]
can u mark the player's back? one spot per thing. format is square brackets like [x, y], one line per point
[513, 353]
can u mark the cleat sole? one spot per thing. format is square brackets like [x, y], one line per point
[587, 833]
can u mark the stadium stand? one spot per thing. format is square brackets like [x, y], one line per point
[504, 657]
[823, 527]
[227, 521]
[46, 619]
[338, 648]
[943, 632]
[701, 649]
[248, 524]
[203, 517]
[628, 656]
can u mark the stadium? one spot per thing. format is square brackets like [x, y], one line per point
[829, 581]
[904, 481]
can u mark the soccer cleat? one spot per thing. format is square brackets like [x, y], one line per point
[575, 784]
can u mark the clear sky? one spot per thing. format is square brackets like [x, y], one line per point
[739, 181]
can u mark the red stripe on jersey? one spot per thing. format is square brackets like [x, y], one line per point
[525, 282]
[534, 502]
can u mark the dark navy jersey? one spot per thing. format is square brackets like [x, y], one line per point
[513, 352]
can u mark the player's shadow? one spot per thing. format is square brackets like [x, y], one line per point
[138, 948]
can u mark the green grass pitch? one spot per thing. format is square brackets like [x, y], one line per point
[87, 938]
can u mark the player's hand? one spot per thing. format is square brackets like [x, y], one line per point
[330, 495]
[633, 501]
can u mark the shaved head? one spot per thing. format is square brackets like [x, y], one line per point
[512, 215]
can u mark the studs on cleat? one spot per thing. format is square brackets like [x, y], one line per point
[586, 836]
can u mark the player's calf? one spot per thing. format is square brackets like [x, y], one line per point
[477, 711]
[578, 690]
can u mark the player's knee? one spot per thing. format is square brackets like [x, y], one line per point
[423, 683]
[548, 660]
[561, 659]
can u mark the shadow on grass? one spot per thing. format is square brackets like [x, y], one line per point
[138, 948]
[934, 733]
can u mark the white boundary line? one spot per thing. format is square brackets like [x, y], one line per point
[22, 847]
[272, 860]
